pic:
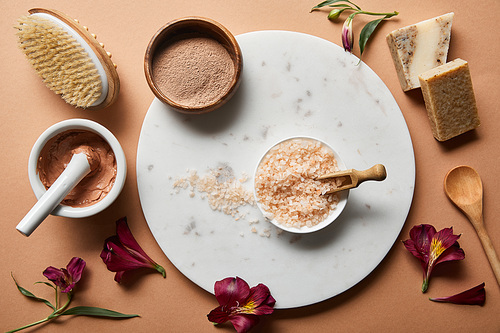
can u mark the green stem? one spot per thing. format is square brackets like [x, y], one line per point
[425, 285]
[57, 313]
[161, 270]
[379, 14]
[30, 325]
[57, 298]
[53, 315]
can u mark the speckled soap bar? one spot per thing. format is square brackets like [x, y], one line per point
[419, 47]
[449, 99]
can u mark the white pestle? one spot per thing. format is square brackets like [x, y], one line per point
[74, 172]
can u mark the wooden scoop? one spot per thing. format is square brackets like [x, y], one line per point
[464, 188]
[352, 178]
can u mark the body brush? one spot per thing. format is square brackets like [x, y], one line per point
[68, 58]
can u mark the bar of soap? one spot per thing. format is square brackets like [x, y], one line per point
[419, 47]
[449, 99]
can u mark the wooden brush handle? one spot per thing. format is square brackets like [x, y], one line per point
[101, 54]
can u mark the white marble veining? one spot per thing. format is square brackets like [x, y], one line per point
[292, 84]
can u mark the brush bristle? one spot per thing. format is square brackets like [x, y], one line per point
[61, 62]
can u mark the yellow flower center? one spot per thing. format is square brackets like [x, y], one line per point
[248, 307]
[437, 249]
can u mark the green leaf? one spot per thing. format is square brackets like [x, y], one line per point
[31, 295]
[96, 312]
[46, 283]
[366, 32]
[331, 2]
[340, 6]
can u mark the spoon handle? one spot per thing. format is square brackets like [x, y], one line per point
[488, 248]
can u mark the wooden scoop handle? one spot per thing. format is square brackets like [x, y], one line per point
[355, 177]
[376, 172]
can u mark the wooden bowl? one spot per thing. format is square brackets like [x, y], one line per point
[189, 27]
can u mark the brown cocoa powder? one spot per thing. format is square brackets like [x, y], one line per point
[193, 71]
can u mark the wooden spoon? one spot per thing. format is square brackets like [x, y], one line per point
[352, 178]
[464, 188]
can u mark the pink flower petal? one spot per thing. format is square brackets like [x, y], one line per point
[473, 296]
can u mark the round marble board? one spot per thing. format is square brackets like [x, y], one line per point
[293, 84]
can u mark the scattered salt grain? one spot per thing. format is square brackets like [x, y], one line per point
[222, 191]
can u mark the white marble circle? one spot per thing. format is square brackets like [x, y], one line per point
[293, 84]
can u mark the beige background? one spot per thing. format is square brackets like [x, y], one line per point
[389, 299]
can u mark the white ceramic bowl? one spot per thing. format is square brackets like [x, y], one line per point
[343, 195]
[79, 124]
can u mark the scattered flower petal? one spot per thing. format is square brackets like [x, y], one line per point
[240, 304]
[433, 248]
[122, 253]
[66, 278]
[473, 296]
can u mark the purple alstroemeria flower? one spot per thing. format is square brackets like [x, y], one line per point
[473, 296]
[240, 304]
[347, 34]
[433, 248]
[66, 278]
[122, 253]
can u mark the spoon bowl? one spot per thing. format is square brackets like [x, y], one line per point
[464, 188]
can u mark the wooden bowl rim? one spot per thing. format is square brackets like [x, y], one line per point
[234, 51]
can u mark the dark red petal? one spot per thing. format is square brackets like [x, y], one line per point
[446, 237]
[57, 276]
[244, 322]
[452, 253]
[231, 291]
[473, 296]
[127, 239]
[75, 268]
[118, 258]
[118, 276]
[422, 236]
[262, 299]
[420, 242]
[68, 288]
[411, 246]
[218, 315]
